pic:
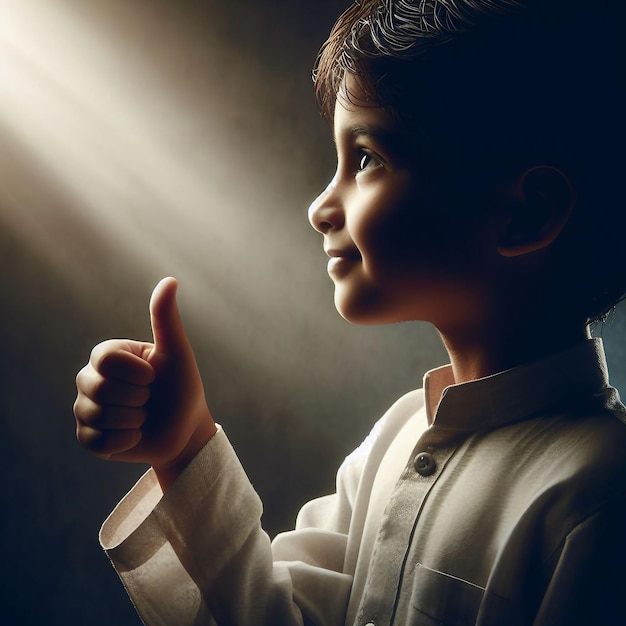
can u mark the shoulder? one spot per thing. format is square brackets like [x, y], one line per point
[584, 469]
[586, 438]
[595, 440]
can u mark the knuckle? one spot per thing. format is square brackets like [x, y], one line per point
[96, 351]
[86, 435]
[100, 390]
[80, 377]
[94, 416]
[78, 408]
[108, 361]
[113, 418]
[94, 440]
[102, 351]
[86, 411]
[88, 382]
[106, 443]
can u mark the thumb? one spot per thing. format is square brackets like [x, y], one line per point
[167, 327]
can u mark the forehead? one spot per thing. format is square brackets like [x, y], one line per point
[355, 110]
[356, 115]
[349, 116]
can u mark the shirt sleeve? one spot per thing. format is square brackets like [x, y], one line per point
[197, 554]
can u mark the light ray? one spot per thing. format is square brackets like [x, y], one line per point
[103, 161]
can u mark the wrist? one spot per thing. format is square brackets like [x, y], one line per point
[168, 473]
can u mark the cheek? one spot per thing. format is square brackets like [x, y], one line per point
[401, 234]
[402, 208]
[410, 244]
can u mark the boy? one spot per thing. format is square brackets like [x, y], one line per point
[474, 189]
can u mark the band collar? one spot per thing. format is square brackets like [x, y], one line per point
[517, 393]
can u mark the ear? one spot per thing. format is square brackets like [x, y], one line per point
[539, 204]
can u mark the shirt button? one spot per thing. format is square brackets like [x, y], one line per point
[425, 464]
[370, 624]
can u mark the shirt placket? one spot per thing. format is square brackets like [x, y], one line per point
[396, 532]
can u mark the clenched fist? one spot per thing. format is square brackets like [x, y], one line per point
[144, 402]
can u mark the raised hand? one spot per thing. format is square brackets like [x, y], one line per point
[144, 402]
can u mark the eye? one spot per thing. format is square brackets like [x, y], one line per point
[368, 161]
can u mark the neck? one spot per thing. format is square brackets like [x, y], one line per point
[498, 347]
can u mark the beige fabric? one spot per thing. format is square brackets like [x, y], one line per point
[521, 521]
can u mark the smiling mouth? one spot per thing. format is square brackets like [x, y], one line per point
[341, 261]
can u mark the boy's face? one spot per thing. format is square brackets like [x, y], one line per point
[395, 253]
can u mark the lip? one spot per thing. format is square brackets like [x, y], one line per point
[341, 261]
[335, 253]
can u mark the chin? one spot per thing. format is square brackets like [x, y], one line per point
[366, 310]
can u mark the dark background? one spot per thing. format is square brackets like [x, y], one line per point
[145, 138]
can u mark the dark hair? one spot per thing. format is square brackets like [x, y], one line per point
[499, 85]
[374, 38]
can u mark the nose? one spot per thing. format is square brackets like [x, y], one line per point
[325, 212]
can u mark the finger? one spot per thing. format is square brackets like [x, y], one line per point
[106, 443]
[122, 360]
[101, 417]
[168, 331]
[110, 392]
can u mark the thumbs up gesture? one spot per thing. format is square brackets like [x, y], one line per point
[144, 402]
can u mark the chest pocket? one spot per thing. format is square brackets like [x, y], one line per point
[437, 599]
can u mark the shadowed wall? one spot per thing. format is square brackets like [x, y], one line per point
[147, 138]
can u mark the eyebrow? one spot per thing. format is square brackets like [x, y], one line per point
[372, 130]
[369, 129]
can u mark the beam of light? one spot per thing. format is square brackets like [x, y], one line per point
[102, 161]
[115, 170]
[70, 106]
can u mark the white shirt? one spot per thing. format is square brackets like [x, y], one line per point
[498, 502]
